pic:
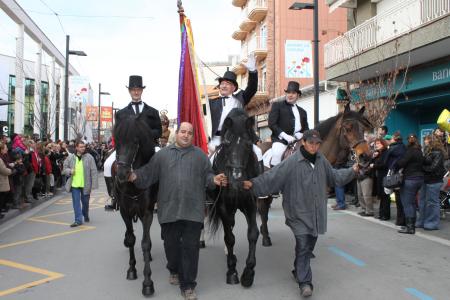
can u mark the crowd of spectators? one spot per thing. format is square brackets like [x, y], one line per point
[423, 166]
[31, 168]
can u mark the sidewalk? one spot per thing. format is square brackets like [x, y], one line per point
[443, 232]
[13, 213]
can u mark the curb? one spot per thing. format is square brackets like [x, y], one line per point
[14, 218]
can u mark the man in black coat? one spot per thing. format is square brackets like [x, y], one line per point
[136, 107]
[287, 121]
[229, 98]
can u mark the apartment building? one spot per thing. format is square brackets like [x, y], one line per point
[397, 51]
[265, 28]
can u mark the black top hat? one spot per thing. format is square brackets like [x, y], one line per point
[229, 76]
[135, 82]
[293, 87]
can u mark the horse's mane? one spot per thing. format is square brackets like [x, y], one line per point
[325, 127]
[132, 128]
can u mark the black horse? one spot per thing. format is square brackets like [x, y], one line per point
[341, 135]
[134, 148]
[235, 158]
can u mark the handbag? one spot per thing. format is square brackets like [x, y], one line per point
[393, 180]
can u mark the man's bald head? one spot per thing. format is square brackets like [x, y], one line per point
[184, 135]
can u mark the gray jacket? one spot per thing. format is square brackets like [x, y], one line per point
[90, 172]
[183, 174]
[304, 190]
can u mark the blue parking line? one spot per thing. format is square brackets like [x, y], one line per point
[418, 294]
[275, 216]
[347, 256]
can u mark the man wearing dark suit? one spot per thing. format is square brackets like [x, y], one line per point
[287, 121]
[136, 107]
[230, 98]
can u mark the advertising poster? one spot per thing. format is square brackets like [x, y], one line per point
[298, 59]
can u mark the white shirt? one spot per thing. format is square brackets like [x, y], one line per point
[108, 164]
[141, 106]
[230, 103]
[297, 127]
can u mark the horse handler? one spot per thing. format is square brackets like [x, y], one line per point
[303, 179]
[183, 172]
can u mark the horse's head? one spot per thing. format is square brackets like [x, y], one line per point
[236, 157]
[134, 145]
[352, 127]
[125, 157]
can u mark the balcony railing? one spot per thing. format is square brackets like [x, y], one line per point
[257, 10]
[258, 46]
[406, 16]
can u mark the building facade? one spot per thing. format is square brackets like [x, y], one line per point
[265, 29]
[34, 89]
[396, 56]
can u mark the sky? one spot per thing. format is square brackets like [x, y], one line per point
[147, 44]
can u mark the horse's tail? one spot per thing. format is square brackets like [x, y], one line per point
[213, 212]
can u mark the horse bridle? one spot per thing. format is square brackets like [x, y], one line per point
[125, 164]
[354, 157]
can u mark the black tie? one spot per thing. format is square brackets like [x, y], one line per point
[136, 106]
[223, 99]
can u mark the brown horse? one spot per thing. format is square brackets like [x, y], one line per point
[341, 135]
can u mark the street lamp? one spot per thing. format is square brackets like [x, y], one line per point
[315, 7]
[66, 86]
[100, 93]
[5, 102]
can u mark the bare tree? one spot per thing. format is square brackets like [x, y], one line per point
[379, 94]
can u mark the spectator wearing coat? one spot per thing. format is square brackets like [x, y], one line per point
[433, 166]
[396, 150]
[381, 170]
[412, 165]
[83, 178]
[4, 180]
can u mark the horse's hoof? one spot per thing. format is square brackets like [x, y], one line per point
[202, 244]
[233, 278]
[266, 242]
[148, 290]
[131, 275]
[247, 277]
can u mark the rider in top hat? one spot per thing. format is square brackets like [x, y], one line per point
[136, 107]
[287, 121]
[230, 97]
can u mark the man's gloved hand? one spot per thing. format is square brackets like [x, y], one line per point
[251, 63]
[298, 135]
[288, 138]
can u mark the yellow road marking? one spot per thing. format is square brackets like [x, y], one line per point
[48, 221]
[50, 276]
[65, 212]
[46, 237]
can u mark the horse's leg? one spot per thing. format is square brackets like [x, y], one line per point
[129, 241]
[252, 234]
[228, 222]
[148, 288]
[263, 209]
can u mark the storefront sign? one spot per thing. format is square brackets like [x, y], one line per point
[106, 114]
[415, 80]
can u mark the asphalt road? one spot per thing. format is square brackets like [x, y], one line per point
[43, 258]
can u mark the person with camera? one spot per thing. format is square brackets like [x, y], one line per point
[412, 165]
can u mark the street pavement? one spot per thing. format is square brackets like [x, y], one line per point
[43, 258]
